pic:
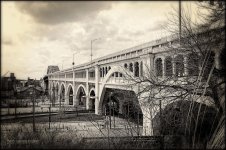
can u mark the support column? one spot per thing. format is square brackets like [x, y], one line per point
[148, 65]
[87, 90]
[147, 121]
[49, 88]
[97, 90]
[65, 97]
[146, 110]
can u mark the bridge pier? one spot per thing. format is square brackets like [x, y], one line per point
[97, 75]
[147, 121]
[87, 90]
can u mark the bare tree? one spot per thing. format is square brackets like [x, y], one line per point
[204, 80]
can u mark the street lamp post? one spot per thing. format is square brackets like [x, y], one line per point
[63, 63]
[92, 47]
[74, 58]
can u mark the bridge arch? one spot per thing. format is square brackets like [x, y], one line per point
[92, 95]
[57, 91]
[62, 92]
[81, 93]
[174, 115]
[179, 65]
[114, 69]
[70, 94]
[159, 66]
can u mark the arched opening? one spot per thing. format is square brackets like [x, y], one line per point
[173, 121]
[179, 63]
[70, 94]
[131, 67]
[116, 74]
[62, 94]
[125, 66]
[92, 100]
[169, 67]
[158, 66]
[136, 69]
[100, 72]
[106, 70]
[121, 103]
[81, 96]
[193, 64]
[109, 68]
[103, 71]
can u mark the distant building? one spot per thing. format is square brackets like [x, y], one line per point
[8, 86]
[32, 82]
[45, 81]
[52, 69]
[29, 92]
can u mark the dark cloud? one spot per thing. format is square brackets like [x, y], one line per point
[60, 12]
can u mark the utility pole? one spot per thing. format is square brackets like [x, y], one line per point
[49, 115]
[33, 100]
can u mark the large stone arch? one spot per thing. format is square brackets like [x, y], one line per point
[77, 94]
[150, 110]
[178, 119]
[70, 94]
[125, 72]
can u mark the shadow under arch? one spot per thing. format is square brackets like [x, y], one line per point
[114, 69]
[81, 94]
[173, 121]
[70, 94]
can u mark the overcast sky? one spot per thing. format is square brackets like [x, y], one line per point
[38, 34]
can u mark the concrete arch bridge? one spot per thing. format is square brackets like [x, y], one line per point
[132, 77]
